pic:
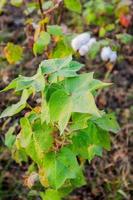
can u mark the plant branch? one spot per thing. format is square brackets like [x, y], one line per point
[52, 9]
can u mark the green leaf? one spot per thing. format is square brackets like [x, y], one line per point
[125, 38]
[51, 194]
[10, 138]
[45, 115]
[78, 89]
[108, 122]
[55, 30]
[16, 108]
[42, 134]
[59, 168]
[73, 5]
[79, 121]
[98, 136]
[79, 180]
[94, 150]
[60, 106]
[90, 141]
[41, 43]
[79, 83]
[54, 65]
[97, 84]
[26, 132]
[70, 70]
[34, 152]
[13, 53]
[62, 49]
[85, 103]
[36, 82]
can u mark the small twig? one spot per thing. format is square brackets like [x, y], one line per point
[52, 9]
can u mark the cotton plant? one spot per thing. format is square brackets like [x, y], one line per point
[108, 54]
[84, 42]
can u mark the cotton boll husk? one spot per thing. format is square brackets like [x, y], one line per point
[80, 40]
[113, 56]
[91, 42]
[83, 50]
[105, 53]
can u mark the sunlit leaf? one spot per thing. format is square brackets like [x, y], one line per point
[13, 53]
[16, 108]
[41, 43]
[73, 5]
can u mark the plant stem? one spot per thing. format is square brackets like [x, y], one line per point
[40, 6]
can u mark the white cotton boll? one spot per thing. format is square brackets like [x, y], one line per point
[105, 53]
[113, 56]
[91, 42]
[83, 50]
[80, 40]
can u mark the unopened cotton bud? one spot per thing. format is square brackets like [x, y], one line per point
[91, 42]
[80, 40]
[83, 50]
[113, 56]
[105, 53]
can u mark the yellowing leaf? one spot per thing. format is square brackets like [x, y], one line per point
[13, 53]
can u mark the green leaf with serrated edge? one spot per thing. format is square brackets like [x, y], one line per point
[59, 168]
[37, 82]
[55, 30]
[41, 43]
[60, 107]
[26, 132]
[10, 138]
[73, 5]
[79, 121]
[43, 135]
[94, 150]
[16, 108]
[108, 122]
[54, 65]
[51, 194]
